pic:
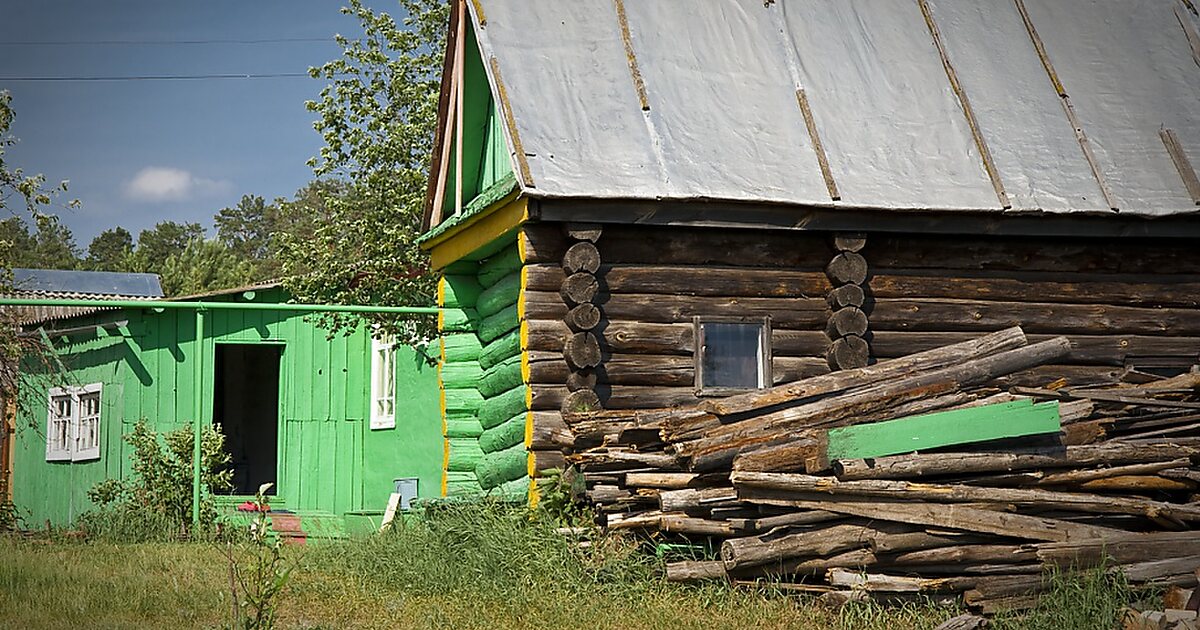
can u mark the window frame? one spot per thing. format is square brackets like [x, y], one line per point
[381, 344]
[71, 451]
[764, 350]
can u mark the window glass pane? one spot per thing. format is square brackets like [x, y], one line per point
[731, 356]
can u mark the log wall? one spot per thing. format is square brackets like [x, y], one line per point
[1124, 303]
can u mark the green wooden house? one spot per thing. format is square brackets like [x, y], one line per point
[334, 422]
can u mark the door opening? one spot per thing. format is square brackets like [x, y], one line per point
[246, 408]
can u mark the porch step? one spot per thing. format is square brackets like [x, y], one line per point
[294, 527]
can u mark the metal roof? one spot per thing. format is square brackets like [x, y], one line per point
[905, 98]
[71, 283]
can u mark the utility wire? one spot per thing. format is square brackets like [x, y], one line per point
[167, 42]
[163, 77]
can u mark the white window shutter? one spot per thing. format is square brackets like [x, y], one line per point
[383, 384]
[87, 423]
[60, 424]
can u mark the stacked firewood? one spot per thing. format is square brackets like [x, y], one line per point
[913, 477]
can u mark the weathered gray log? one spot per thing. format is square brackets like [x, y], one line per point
[848, 352]
[582, 317]
[957, 493]
[542, 243]
[767, 523]
[579, 288]
[916, 541]
[620, 396]
[938, 315]
[849, 241]
[1078, 477]
[664, 370]
[849, 320]
[675, 524]
[691, 498]
[847, 268]
[582, 350]
[1146, 290]
[582, 256]
[881, 372]
[580, 400]
[665, 480]
[589, 232]
[1122, 549]
[789, 312]
[549, 431]
[965, 621]
[846, 295]
[675, 245]
[915, 466]
[691, 280]
[950, 516]
[696, 570]
[581, 379]
[673, 339]
[757, 550]
[1085, 349]
[967, 554]
[721, 444]
[879, 583]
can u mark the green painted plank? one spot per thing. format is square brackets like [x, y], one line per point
[946, 428]
[497, 409]
[504, 293]
[507, 465]
[492, 327]
[508, 434]
[459, 347]
[461, 375]
[516, 490]
[462, 484]
[465, 454]
[499, 349]
[501, 378]
[460, 291]
[499, 265]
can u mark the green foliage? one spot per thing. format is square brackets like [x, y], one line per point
[559, 492]
[49, 246]
[108, 251]
[258, 572]
[159, 497]
[155, 246]
[1079, 600]
[202, 266]
[377, 117]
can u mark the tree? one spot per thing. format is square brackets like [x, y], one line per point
[202, 266]
[156, 245]
[377, 117]
[247, 227]
[108, 251]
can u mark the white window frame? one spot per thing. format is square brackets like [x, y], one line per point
[383, 382]
[65, 435]
[765, 377]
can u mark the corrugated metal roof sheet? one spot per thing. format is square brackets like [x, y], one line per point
[721, 79]
[73, 283]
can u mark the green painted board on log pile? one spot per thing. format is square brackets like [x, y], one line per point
[500, 265]
[507, 345]
[463, 427]
[465, 454]
[945, 428]
[459, 319]
[497, 409]
[509, 433]
[506, 465]
[461, 375]
[495, 325]
[461, 347]
[500, 295]
[460, 291]
[501, 377]
[462, 401]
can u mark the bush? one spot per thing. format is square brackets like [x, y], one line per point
[157, 503]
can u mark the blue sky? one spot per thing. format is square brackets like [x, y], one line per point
[139, 152]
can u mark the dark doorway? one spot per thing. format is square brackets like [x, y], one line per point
[246, 408]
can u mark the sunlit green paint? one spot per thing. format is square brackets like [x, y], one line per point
[329, 460]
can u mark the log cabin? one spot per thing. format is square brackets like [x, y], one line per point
[641, 204]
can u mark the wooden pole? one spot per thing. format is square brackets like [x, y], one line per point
[459, 53]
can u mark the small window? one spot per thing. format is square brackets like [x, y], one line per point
[383, 382]
[732, 355]
[73, 424]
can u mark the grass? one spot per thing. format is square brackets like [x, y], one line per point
[477, 567]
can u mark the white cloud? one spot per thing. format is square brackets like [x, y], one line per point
[161, 183]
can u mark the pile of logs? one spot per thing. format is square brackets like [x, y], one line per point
[913, 477]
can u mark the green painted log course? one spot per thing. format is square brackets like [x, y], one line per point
[946, 428]
[462, 268]
[459, 319]
[501, 377]
[460, 291]
[495, 410]
[515, 490]
[500, 295]
[507, 345]
[508, 434]
[463, 428]
[493, 326]
[459, 484]
[497, 468]
[465, 454]
[495, 268]
[462, 401]
[459, 347]
[461, 375]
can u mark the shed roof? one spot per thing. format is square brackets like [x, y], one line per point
[63, 282]
[742, 100]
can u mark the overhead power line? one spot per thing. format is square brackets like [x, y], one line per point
[167, 42]
[163, 77]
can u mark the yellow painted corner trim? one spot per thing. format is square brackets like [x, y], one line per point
[482, 229]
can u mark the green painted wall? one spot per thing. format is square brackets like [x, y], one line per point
[329, 460]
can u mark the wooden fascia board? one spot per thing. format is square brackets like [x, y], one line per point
[446, 94]
[503, 216]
